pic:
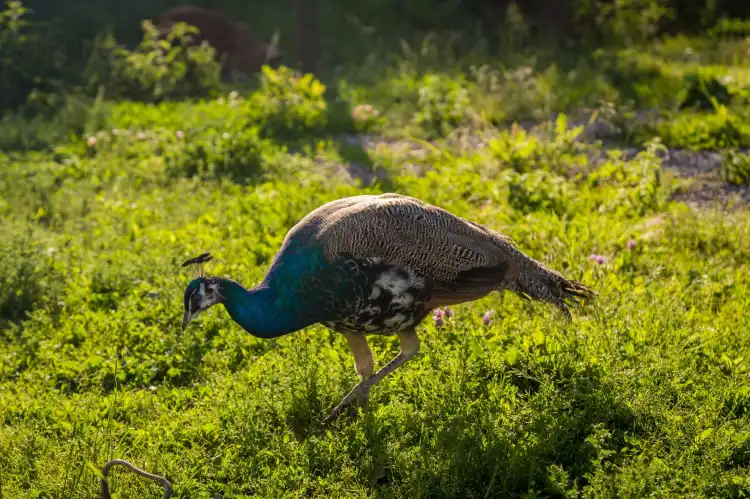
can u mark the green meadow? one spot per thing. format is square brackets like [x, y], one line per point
[625, 167]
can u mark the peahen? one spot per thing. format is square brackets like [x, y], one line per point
[377, 264]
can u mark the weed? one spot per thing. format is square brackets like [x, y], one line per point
[700, 131]
[159, 68]
[30, 275]
[736, 168]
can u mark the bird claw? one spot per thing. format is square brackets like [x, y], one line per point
[361, 395]
[335, 413]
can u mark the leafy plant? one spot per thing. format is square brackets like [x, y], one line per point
[212, 154]
[736, 168]
[700, 131]
[730, 28]
[525, 152]
[641, 190]
[160, 68]
[442, 104]
[290, 104]
[538, 191]
[627, 22]
[29, 276]
[705, 92]
[31, 60]
[75, 115]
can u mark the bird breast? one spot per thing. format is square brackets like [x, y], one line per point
[390, 299]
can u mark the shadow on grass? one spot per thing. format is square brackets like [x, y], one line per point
[553, 443]
[566, 427]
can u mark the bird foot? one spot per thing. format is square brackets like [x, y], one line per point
[358, 394]
[334, 415]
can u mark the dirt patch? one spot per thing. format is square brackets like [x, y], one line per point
[700, 170]
[705, 187]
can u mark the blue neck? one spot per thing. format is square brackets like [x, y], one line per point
[259, 311]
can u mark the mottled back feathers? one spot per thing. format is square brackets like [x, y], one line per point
[458, 260]
[404, 230]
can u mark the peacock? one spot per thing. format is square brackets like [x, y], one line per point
[377, 264]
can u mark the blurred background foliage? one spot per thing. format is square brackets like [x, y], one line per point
[47, 46]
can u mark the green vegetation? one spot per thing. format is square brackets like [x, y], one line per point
[644, 394]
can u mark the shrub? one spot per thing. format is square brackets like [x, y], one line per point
[626, 21]
[525, 152]
[700, 131]
[730, 28]
[538, 191]
[705, 92]
[75, 115]
[641, 78]
[28, 276]
[32, 64]
[215, 153]
[158, 69]
[443, 104]
[640, 189]
[736, 168]
[289, 103]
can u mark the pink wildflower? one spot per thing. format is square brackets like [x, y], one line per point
[91, 141]
[631, 244]
[438, 315]
[487, 318]
[448, 312]
[598, 259]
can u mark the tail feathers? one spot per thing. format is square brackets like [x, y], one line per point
[547, 285]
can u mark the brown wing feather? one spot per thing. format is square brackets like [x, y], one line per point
[406, 231]
[469, 285]
[463, 260]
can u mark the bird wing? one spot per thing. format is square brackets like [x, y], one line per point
[462, 259]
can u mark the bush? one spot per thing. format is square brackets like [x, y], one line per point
[75, 115]
[538, 191]
[28, 276]
[736, 168]
[290, 104]
[526, 152]
[443, 104]
[640, 78]
[625, 22]
[705, 92]
[700, 131]
[32, 64]
[731, 28]
[639, 181]
[158, 69]
[213, 154]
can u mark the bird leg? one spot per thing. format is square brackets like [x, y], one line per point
[409, 347]
[363, 362]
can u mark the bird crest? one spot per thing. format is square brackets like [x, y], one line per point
[199, 261]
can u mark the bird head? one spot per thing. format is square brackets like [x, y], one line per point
[200, 295]
[202, 292]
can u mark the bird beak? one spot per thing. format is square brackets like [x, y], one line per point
[186, 320]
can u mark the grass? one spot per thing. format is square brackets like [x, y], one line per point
[645, 393]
